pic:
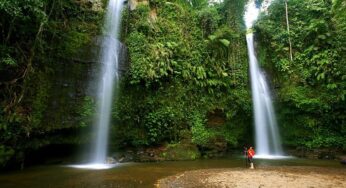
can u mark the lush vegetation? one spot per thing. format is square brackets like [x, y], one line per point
[35, 36]
[187, 84]
[187, 61]
[312, 87]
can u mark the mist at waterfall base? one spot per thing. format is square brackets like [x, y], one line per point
[107, 82]
[267, 137]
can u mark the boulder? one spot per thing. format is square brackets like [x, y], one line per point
[124, 157]
[111, 160]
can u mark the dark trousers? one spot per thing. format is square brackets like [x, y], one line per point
[250, 159]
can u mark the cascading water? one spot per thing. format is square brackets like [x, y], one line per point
[268, 141]
[108, 79]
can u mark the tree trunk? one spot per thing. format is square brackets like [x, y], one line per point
[288, 31]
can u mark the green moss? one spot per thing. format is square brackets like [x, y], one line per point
[178, 152]
[74, 41]
[5, 154]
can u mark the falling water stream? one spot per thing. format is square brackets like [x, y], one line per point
[109, 75]
[268, 141]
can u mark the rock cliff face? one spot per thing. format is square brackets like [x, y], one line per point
[73, 85]
[71, 92]
[90, 53]
[58, 102]
[73, 78]
[69, 87]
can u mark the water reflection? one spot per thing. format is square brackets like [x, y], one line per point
[131, 174]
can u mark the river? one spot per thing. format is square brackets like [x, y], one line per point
[132, 174]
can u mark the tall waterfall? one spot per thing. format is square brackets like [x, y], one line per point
[268, 141]
[108, 79]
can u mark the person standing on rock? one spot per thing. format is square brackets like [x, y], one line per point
[250, 154]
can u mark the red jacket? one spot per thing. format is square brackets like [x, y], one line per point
[250, 152]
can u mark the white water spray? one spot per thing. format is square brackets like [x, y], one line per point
[109, 77]
[268, 141]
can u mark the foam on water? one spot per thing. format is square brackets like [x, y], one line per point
[94, 166]
[273, 157]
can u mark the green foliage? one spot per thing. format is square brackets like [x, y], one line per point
[33, 34]
[74, 41]
[200, 134]
[187, 59]
[149, 120]
[40, 100]
[205, 136]
[8, 61]
[163, 48]
[233, 11]
[184, 61]
[87, 111]
[312, 87]
[20, 22]
[5, 155]
[161, 124]
[21, 9]
[209, 20]
[180, 151]
[219, 43]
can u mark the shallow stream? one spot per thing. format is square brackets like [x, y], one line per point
[131, 174]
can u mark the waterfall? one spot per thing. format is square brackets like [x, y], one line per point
[108, 79]
[268, 141]
[107, 82]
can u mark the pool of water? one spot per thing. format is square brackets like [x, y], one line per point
[131, 174]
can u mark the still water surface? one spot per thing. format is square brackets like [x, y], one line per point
[130, 174]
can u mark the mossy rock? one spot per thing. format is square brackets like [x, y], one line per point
[180, 152]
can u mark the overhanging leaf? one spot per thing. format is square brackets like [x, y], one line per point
[225, 42]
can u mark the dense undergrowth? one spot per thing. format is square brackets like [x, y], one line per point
[311, 88]
[187, 80]
[37, 38]
[187, 61]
